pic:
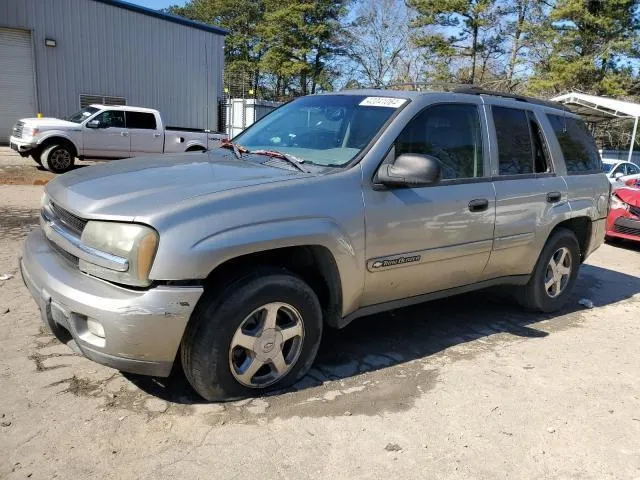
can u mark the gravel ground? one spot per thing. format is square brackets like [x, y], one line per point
[469, 387]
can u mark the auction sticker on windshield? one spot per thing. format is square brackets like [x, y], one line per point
[382, 102]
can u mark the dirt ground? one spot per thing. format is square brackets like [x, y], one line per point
[16, 170]
[469, 387]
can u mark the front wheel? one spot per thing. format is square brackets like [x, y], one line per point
[57, 158]
[555, 273]
[36, 155]
[260, 333]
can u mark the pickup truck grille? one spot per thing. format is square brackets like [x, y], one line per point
[73, 223]
[17, 129]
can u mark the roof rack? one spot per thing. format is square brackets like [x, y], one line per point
[519, 98]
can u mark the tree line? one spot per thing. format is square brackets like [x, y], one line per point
[284, 48]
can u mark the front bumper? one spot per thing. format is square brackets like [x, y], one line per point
[21, 145]
[622, 224]
[143, 328]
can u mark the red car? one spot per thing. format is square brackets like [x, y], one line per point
[624, 216]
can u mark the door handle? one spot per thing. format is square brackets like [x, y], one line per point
[554, 197]
[124, 134]
[157, 135]
[478, 205]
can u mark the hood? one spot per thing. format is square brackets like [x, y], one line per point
[141, 187]
[48, 122]
[629, 195]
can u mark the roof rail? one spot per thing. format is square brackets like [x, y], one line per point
[519, 98]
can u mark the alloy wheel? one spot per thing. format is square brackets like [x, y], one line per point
[558, 272]
[60, 159]
[266, 345]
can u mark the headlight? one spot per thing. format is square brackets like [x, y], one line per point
[616, 203]
[30, 131]
[136, 243]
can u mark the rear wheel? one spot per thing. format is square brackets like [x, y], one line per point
[555, 273]
[262, 332]
[57, 158]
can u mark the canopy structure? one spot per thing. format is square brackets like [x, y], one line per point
[602, 109]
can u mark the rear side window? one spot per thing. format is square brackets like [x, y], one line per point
[577, 145]
[449, 132]
[141, 120]
[515, 150]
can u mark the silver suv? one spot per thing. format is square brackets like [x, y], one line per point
[332, 207]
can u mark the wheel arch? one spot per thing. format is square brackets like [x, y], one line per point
[58, 140]
[581, 226]
[315, 264]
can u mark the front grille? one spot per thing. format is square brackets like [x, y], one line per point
[17, 129]
[634, 211]
[626, 229]
[73, 223]
[72, 259]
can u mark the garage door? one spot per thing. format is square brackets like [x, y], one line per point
[17, 89]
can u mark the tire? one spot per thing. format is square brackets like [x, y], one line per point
[563, 247]
[36, 155]
[57, 158]
[195, 149]
[220, 372]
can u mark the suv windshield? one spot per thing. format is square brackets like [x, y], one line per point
[82, 115]
[327, 130]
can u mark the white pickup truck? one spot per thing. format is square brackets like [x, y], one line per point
[104, 132]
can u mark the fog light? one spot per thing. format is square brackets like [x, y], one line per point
[95, 327]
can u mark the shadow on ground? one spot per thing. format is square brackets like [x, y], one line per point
[392, 338]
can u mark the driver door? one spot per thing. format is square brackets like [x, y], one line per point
[429, 238]
[110, 138]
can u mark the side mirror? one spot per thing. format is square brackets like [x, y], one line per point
[410, 170]
[618, 175]
[93, 124]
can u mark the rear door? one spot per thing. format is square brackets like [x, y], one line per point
[424, 239]
[145, 132]
[110, 139]
[531, 195]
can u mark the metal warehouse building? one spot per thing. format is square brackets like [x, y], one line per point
[57, 56]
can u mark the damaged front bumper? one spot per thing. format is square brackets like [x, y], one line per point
[137, 331]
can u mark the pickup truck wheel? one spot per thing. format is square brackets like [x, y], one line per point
[555, 273]
[36, 156]
[261, 332]
[57, 158]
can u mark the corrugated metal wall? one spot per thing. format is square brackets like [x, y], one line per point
[106, 50]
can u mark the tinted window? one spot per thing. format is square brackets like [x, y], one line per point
[541, 159]
[141, 120]
[452, 134]
[515, 151]
[111, 118]
[632, 169]
[606, 167]
[577, 144]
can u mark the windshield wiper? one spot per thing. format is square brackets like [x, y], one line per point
[238, 149]
[295, 161]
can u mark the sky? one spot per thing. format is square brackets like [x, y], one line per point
[156, 4]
